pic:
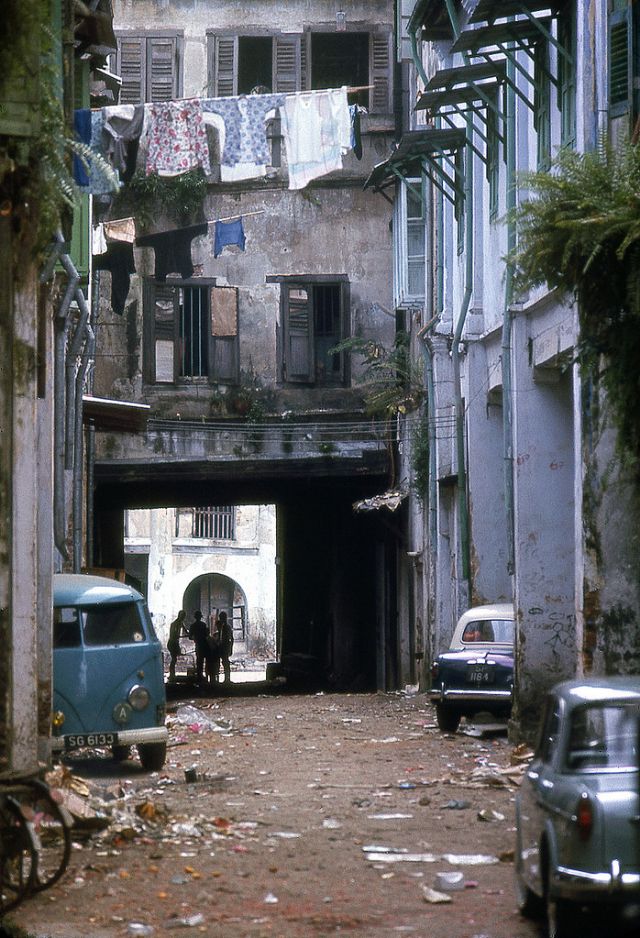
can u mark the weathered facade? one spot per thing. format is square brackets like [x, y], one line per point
[514, 502]
[276, 415]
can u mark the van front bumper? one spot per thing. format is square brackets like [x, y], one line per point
[149, 734]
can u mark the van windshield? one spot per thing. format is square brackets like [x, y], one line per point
[106, 625]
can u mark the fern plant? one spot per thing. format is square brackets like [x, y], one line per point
[580, 233]
[391, 379]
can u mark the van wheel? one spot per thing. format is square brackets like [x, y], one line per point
[447, 718]
[121, 753]
[152, 755]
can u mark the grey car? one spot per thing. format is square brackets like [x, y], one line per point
[578, 811]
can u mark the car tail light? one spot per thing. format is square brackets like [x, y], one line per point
[435, 670]
[584, 816]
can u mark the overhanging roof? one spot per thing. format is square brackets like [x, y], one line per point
[464, 84]
[106, 414]
[491, 10]
[433, 17]
[500, 34]
[414, 147]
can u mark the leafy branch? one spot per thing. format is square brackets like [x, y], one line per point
[393, 381]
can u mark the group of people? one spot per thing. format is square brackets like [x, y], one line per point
[212, 649]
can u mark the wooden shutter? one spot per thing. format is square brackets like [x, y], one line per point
[132, 68]
[298, 333]
[380, 64]
[345, 329]
[165, 325]
[305, 59]
[286, 64]
[225, 66]
[162, 68]
[224, 331]
[620, 59]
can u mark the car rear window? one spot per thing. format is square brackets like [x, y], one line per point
[489, 630]
[603, 737]
[107, 625]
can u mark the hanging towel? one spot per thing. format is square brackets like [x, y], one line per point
[247, 151]
[173, 250]
[98, 240]
[228, 232]
[177, 138]
[118, 259]
[120, 229]
[317, 131]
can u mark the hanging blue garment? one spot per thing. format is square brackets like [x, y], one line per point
[82, 127]
[228, 232]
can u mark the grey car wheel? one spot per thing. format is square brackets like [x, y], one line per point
[560, 918]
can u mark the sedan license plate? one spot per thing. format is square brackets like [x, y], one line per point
[80, 740]
[480, 674]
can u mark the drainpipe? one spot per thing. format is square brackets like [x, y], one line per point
[507, 390]
[71, 365]
[463, 506]
[87, 357]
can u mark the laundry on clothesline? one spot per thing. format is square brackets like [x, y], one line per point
[173, 250]
[170, 138]
[119, 261]
[228, 233]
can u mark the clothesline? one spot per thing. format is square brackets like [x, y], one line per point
[349, 89]
[212, 221]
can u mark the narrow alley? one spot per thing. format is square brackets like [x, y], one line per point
[308, 816]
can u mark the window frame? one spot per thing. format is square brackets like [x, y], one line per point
[292, 63]
[151, 337]
[148, 38]
[404, 296]
[309, 377]
[567, 77]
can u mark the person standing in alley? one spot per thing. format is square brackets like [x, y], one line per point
[224, 633]
[198, 633]
[176, 630]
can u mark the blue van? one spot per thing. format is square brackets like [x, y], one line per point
[108, 677]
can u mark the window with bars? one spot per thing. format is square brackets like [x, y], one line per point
[150, 66]
[287, 63]
[217, 523]
[315, 317]
[191, 332]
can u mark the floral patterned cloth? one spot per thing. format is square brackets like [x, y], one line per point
[177, 138]
[246, 149]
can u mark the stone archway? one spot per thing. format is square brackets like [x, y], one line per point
[212, 593]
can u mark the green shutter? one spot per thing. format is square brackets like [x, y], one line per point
[619, 62]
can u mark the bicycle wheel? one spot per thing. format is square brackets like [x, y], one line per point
[18, 855]
[50, 823]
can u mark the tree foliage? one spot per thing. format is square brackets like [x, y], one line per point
[580, 233]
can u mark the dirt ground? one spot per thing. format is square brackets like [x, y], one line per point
[311, 815]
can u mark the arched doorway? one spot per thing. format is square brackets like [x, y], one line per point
[212, 593]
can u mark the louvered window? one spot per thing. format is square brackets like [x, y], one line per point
[315, 60]
[542, 105]
[150, 67]
[567, 77]
[191, 333]
[620, 59]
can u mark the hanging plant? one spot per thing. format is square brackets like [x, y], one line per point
[581, 234]
[147, 197]
[392, 382]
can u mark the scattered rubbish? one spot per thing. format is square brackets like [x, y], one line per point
[521, 753]
[434, 897]
[379, 857]
[331, 823]
[407, 785]
[449, 882]
[424, 801]
[198, 720]
[139, 929]
[190, 921]
[388, 817]
[191, 774]
[270, 899]
[488, 814]
[507, 856]
[456, 805]
[481, 730]
[351, 720]
[285, 835]
[469, 859]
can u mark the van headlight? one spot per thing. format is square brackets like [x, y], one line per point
[138, 697]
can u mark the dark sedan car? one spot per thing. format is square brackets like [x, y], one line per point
[476, 674]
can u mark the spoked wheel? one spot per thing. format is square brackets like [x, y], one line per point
[18, 855]
[50, 824]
